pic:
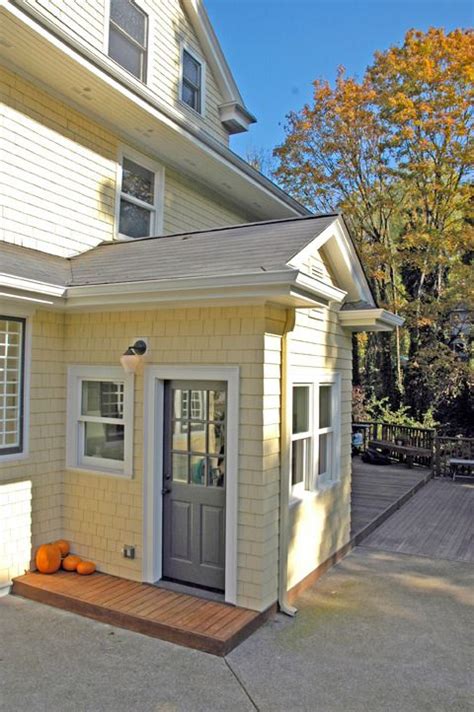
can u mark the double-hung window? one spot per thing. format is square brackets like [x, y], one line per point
[301, 438]
[100, 420]
[315, 439]
[191, 81]
[12, 377]
[128, 37]
[139, 198]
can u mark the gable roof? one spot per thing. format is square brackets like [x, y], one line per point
[250, 248]
[256, 260]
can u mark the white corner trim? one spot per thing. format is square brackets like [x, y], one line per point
[154, 379]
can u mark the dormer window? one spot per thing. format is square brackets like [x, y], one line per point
[128, 32]
[191, 81]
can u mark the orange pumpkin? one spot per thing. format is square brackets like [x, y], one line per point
[63, 546]
[85, 568]
[48, 558]
[71, 562]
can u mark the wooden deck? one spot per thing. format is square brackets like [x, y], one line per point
[438, 522]
[210, 626]
[378, 491]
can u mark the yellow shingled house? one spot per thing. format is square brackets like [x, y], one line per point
[175, 330]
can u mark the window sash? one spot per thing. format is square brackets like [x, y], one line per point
[142, 48]
[195, 87]
[12, 404]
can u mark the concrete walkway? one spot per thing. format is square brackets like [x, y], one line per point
[381, 632]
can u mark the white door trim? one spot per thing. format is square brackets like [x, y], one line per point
[154, 379]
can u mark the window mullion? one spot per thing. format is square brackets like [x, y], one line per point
[136, 201]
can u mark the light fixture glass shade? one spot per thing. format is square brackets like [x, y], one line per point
[130, 362]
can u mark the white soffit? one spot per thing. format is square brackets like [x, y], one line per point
[64, 68]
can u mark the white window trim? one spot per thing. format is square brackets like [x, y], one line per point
[317, 483]
[9, 310]
[157, 208]
[182, 48]
[155, 377]
[148, 10]
[77, 374]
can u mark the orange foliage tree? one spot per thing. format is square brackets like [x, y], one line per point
[394, 152]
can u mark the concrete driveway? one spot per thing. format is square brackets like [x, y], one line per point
[380, 632]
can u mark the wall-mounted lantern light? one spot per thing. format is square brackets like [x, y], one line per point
[133, 355]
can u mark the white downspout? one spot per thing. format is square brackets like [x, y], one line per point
[285, 434]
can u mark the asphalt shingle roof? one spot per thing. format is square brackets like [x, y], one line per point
[249, 248]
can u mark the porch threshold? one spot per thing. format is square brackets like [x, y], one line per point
[210, 626]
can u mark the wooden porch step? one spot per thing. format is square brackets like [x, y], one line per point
[179, 618]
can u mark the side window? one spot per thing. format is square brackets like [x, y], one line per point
[191, 81]
[128, 37]
[100, 420]
[139, 199]
[301, 439]
[12, 384]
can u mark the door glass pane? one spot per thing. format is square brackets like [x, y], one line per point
[126, 53]
[216, 438]
[198, 437]
[216, 471]
[104, 440]
[103, 399]
[198, 470]
[135, 221]
[197, 405]
[217, 405]
[179, 465]
[300, 409]
[179, 439]
[325, 406]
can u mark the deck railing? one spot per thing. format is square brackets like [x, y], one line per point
[447, 448]
[402, 434]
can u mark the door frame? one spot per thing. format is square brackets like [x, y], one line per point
[154, 380]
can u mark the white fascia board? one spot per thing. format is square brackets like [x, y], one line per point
[340, 250]
[281, 287]
[105, 70]
[370, 320]
[30, 285]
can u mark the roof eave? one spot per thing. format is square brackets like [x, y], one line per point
[370, 320]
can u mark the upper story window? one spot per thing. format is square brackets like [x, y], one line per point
[191, 81]
[12, 376]
[140, 197]
[128, 36]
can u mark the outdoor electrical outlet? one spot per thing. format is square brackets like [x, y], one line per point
[128, 551]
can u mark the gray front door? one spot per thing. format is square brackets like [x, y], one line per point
[194, 482]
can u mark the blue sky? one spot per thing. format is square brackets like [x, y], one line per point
[276, 48]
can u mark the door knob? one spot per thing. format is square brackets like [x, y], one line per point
[166, 490]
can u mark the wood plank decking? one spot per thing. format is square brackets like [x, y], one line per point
[438, 522]
[378, 491]
[179, 618]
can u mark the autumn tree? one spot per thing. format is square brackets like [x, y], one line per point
[394, 152]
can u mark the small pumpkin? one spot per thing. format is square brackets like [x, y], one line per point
[48, 558]
[63, 546]
[70, 563]
[85, 568]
